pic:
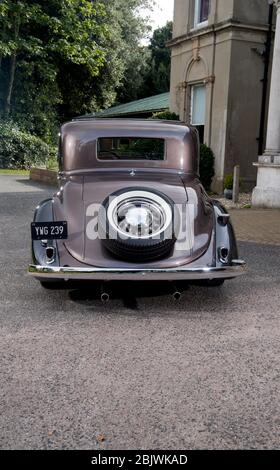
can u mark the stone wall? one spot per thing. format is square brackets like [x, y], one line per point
[44, 176]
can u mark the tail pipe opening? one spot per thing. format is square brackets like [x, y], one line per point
[176, 293]
[104, 295]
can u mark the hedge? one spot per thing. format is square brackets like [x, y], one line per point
[166, 116]
[19, 149]
[206, 166]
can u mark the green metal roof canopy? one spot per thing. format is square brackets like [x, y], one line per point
[150, 105]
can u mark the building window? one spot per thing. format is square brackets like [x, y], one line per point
[198, 107]
[201, 13]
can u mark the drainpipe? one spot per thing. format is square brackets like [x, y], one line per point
[265, 79]
[213, 73]
[212, 88]
[185, 111]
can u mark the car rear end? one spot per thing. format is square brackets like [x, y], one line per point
[130, 207]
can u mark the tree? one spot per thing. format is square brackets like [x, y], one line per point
[37, 37]
[135, 57]
[158, 77]
[15, 16]
[148, 69]
[61, 58]
[125, 64]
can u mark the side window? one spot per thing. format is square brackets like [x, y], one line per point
[198, 107]
[201, 13]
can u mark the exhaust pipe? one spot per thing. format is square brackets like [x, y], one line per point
[176, 293]
[104, 296]
[177, 296]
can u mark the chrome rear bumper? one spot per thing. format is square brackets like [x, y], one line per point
[237, 268]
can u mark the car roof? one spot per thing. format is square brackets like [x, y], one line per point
[78, 140]
[118, 121]
[129, 124]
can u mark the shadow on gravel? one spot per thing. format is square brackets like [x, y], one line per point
[130, 292]
[37, 185]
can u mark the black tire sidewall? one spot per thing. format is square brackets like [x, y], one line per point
[132, 248]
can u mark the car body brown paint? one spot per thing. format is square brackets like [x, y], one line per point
[85, 180]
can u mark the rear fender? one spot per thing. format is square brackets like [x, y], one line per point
[225, 236]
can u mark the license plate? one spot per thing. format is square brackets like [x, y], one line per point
[48, 230]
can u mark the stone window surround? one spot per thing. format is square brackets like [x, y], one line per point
[186, 88]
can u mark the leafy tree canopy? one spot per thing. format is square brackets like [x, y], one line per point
[148, 70]
[60, 58]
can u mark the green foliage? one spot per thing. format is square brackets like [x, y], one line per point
[127, 29]
[61, 58]
[159, 79]
[147, 70]
[8, 171]
[21, 150]
[38, 38]
[166, 116]
[228, 182]
[35, 107]
[206, 166]
[52, 161]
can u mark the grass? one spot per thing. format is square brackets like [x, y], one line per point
[52, 164]
[8, 171]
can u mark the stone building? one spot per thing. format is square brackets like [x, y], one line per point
[220, 74]
[267, 192]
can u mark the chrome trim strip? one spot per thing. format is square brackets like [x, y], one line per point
[237, 268]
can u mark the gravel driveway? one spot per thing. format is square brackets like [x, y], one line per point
[142, 371]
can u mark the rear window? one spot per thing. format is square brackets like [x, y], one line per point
[130, 148]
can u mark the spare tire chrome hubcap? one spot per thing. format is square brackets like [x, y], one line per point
[140, 218]
[139, 214]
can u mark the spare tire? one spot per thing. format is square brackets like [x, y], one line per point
[138, 224]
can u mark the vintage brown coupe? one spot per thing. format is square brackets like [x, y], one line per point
[130, 206]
